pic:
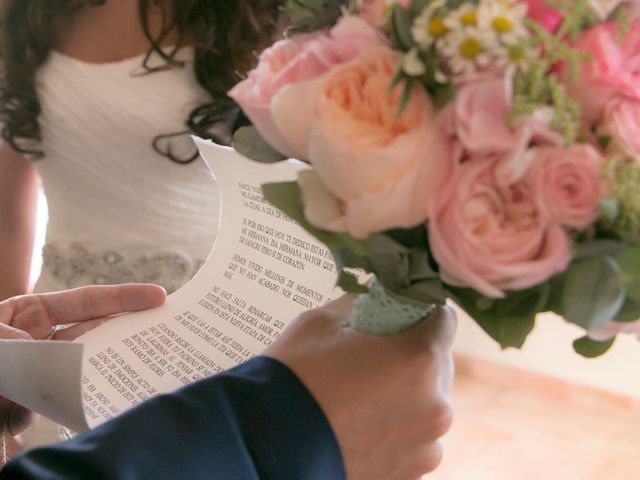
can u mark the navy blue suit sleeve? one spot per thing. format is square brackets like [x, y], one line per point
[256, 421]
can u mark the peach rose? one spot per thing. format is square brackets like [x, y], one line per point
[569, 183]
[376, 12]
[296, 59]
[614, 68]
[382, 167]
[491, 237]
[622, 124]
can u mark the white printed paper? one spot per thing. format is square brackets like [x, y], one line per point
[263, 270]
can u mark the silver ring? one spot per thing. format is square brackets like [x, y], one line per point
[52, 332]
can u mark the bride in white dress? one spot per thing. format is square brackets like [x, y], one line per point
[97, 101]
[92, 110]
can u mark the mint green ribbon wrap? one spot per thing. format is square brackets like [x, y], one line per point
[381, 313]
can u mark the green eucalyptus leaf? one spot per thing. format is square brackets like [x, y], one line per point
[390, 261]
[629, 261]
[508, 320]
[593, 292]
[312, 15]
[418, 5]
[599, 247]
[345, 257]
[409, 84]
[630, 311]
[524, 303]
[405, 271]
[415, 237]
[443, 94]
[248, 142]
[609, 209]
[399, 76]
[426, 291]
[453, 4]
[589, 348]
[349, 283]
[401, 23]
[420, 267]
[554, 301]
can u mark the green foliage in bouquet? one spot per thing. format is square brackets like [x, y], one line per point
[589, 348]
[624, 199]
[601, 283]
[507, 320]
[534, 87]
[400, 22]
[249, 142]
[397, 258]
[311, 15]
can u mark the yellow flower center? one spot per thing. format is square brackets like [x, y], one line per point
[437, 28]
[469, 18]
[502, 24]
[470, 47]
[516, 53]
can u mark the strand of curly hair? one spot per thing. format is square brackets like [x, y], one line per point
[225, 34]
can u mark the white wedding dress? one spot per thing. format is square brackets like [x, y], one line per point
[118, 210]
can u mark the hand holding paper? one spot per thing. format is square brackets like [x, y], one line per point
[38, 316]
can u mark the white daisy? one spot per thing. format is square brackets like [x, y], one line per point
[465, 16]
[467, 50]
[428, 27]
[504, 18]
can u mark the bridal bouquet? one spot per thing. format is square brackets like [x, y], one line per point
[485, 151]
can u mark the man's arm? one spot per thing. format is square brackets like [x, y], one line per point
[372, 407]
[256, 421]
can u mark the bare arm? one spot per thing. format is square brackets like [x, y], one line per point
[18, 202]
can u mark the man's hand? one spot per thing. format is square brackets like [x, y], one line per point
[41, 316]
[386, 398]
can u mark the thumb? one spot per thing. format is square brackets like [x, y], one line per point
[337, 313]
[438, 329]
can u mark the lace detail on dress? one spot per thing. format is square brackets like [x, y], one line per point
[77, 266]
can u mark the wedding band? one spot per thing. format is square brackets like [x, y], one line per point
[52, 332]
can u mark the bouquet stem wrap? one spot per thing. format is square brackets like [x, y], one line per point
[379, 312]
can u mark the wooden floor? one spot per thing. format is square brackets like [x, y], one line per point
[513, 425]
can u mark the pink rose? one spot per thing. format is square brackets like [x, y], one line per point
[546, 16]
[614, 68]
[297, 59]
[569, 183]
[477, 121]
[492, 237]
[622, 124]
[382, 168]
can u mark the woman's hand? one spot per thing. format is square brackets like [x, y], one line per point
[43, 316]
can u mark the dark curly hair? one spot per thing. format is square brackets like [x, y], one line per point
[226, 36]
